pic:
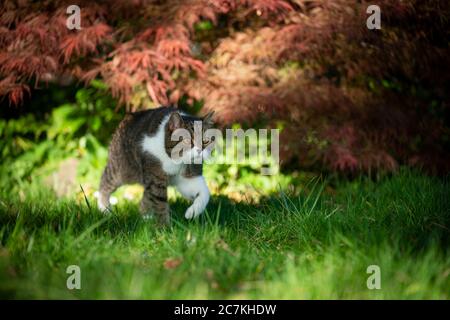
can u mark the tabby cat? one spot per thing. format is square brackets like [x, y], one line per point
[141, 152]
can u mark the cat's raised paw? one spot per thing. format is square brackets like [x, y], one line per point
[192, 212]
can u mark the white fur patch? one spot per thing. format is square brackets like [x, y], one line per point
[155, 145]
[103, 207]
[193, 188]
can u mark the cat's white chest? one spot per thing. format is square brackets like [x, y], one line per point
[171, 168]
[155, 145]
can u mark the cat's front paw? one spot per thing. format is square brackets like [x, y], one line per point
[192, 212]
[198, 206]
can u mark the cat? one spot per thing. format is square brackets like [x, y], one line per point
[141, 152]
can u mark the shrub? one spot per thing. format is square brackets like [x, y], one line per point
[351, 99]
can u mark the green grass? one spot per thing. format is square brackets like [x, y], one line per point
[315, 245]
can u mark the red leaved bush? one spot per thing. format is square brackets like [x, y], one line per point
[350, 99]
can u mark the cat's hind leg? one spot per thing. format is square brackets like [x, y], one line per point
[108, 184]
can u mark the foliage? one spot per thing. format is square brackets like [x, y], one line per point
[352, 99]
[348, 100]
[34, 145]
[66, 146]
[314, 245]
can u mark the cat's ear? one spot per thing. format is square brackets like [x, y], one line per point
[207, 120]
[175, 121]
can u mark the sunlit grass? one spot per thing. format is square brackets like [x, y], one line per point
[314, 245]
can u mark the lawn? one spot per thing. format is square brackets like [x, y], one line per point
[317, 244]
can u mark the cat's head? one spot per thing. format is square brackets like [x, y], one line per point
[186, 137]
